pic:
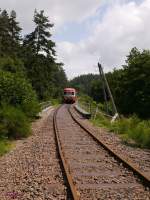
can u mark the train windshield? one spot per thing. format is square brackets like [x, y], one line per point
[68, 93]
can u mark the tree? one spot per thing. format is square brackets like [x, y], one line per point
[28, 70]
[9, 34]
[17, 91]
[42, 69]
[14, 65]
[4, 33]
[39, 40]
[83, 83]
[14, 31]
[137, 83]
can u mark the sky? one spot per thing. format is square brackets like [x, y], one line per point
[89, 31]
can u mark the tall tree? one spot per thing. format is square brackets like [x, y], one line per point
[14, 31]
[39, 40]
[44, 72]
[4, 33]
[137, 82]
[9, 34]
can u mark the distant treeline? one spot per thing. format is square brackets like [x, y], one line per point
[130, 85]
[29, 72]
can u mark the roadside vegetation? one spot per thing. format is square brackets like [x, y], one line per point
[5, 146]
[130, 86]
[132, 130]
[29, 74]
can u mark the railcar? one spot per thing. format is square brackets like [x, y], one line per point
[69, 95]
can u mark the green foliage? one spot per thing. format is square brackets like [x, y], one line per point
[16, 91]
[55, 102]
[28, 71]
[34, 58]
[5, 146]
[9, 34]
[129, 85]
[102, 121]
[47, 76]
[14, 121]
[97, 91]
[39, 40]
[130, 128]
[83, 83]
[14, 65]
[141, 133]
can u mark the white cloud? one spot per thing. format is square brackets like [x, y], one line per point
[124, 26]
[59, 11]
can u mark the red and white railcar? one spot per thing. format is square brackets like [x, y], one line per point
[69, 95]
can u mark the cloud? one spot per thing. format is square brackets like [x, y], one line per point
[123, 26]
[59, 11]
[113, 27]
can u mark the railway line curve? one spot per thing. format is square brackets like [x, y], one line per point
[94, 171]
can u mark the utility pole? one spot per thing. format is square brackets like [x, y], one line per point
[103, 85]
[108, 88]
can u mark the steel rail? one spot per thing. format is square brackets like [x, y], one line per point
[145, 179]
[74, 191]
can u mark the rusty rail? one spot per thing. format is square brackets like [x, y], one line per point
[75, 193]
[145, 179]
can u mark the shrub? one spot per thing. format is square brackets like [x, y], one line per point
[4, 146]
[123, 125]
[141, 134]
[130, 128]
[18, 92]
[14, 65]
[14, 122]
[102, 121]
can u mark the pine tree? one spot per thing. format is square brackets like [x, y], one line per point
[9, 34]
[39, 40]
[4, 33]
[46, 75]
[14, 28]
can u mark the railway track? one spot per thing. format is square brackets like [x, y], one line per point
[92, 170]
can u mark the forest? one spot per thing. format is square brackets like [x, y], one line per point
[29, 72]
[130, 85]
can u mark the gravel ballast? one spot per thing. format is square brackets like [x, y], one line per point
[95, 173]
[32, 169]
[139, 157]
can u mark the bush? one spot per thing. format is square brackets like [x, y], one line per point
[18, 92]
[130, 128]
[4, 146]
[14, 65]
[102, 121]
[141, 134]
[14, 123]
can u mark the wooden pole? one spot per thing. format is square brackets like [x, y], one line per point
[108, 88]
[103, 85]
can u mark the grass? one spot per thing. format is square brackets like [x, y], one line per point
[132, 130]
[56, 102]
[5, 146]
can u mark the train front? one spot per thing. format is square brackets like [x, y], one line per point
[69, 95]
